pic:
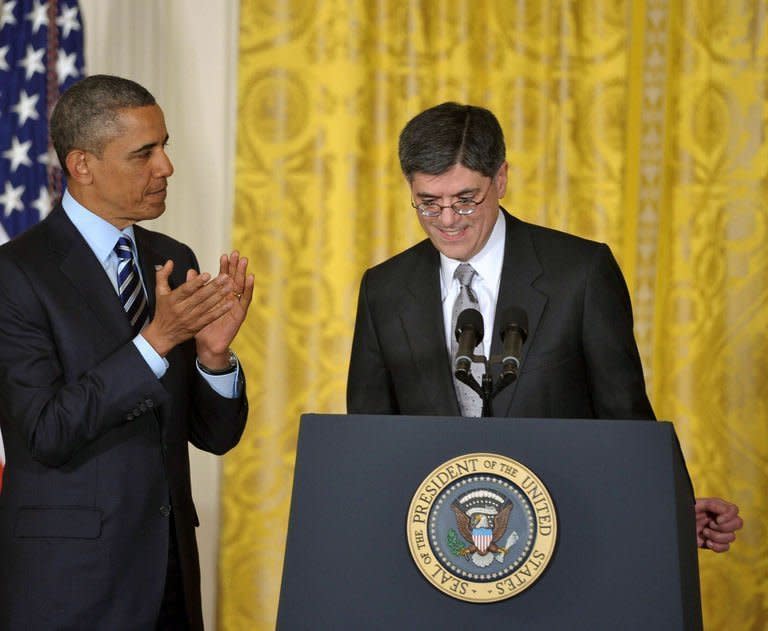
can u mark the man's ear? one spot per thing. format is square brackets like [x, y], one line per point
[501, 179]
[78, 168]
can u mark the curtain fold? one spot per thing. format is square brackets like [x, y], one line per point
[638, 124]
[710, 351]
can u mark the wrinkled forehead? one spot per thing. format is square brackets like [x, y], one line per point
[456, 181]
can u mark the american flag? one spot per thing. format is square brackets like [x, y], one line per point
[41, 54]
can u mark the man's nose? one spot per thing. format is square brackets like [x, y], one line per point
[164, 167]
[447, 217]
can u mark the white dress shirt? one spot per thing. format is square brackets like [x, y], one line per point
[487, 263]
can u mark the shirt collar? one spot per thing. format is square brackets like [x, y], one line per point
[487, 262]
[100, 235]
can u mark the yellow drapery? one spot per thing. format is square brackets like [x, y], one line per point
[639, 124]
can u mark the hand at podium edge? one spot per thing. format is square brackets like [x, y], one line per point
[716, 523]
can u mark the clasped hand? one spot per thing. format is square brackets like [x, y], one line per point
[716, 523]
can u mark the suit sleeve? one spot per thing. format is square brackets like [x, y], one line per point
[613, 362]
[57, 415]
[369, 384]
[214, 423]
[217, 422]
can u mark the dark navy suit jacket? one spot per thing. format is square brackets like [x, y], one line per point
[96, 445]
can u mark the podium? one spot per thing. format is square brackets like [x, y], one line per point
[625, 556]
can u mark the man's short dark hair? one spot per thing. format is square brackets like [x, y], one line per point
[449, 134]
[85, 116]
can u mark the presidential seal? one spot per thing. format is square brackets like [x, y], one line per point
[482, 528]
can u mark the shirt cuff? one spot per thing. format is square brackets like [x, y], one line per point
[228, 385]
[157, 364]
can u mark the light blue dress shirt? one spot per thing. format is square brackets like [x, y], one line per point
[101, 237]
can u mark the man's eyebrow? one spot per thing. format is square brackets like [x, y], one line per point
[150, 145]
[465, 192]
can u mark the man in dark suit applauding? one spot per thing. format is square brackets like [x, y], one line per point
[580, 359]
[114, 354]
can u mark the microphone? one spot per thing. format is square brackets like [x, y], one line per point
[513, 334]
[469, 333]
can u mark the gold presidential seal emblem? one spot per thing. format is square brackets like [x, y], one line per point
[482, 527]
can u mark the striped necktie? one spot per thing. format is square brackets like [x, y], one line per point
[129, 285]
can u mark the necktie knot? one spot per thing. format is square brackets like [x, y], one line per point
[465, 273]
[123, 249]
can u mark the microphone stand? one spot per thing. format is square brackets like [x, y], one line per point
[486, 390]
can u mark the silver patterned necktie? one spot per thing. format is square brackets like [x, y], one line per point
[469, 401]
[129, 285]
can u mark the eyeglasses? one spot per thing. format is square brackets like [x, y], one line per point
[461, 207]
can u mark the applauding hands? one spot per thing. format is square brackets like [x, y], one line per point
[209, 309]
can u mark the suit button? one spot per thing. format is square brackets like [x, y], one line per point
[165, 510]
[149, 403]
[129, 417]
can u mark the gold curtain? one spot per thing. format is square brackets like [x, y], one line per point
[640, 124]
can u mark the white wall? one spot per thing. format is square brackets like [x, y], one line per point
[185, 53]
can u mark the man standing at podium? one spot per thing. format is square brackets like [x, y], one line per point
[580, 359]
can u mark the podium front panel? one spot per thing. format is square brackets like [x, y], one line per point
[625, 556]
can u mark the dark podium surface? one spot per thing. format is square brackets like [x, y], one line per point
[625, 556]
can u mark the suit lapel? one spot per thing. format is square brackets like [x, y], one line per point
[85, 273]
[421, 317]
[521, 267]
[149, 258]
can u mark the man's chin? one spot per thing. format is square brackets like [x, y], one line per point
[153, 211]
[459, 251]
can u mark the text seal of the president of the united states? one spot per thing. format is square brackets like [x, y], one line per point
[482, 527]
